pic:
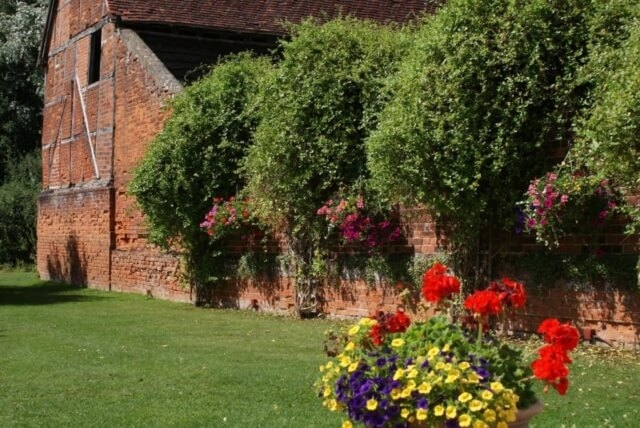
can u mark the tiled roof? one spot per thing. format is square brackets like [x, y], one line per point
[261, 16]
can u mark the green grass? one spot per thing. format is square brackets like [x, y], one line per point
[85, 358]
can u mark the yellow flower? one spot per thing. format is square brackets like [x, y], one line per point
[497, 387]
[446, 348]
[438, 410]
[451, 412]
[464, 420]
[439, 365]
[399, 374]
[489, 415]
[433, 352]
[464, 397]
[473, 377]
[332, 405]
[452, 376]
[350, 346]
[413, 373]
[475, 405]
[326, 392]
[406, 392]
[424, 388]
[510, 415]
[421, 414]
[353, 367]
[464, 365]
[480, 424]
[367, 322]
[344, 360]
[353, 330]
[404, 413]
[502, 424]
[486, 395]
[372, 404]
[347, 424]
[395, 393]
[397, 343]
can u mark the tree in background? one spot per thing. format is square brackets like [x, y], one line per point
[21, 24]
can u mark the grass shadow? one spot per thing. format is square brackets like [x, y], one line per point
[45, 293]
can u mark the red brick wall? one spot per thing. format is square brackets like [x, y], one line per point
[74, 236]
[90, 232]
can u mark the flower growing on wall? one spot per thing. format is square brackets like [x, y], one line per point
[226, 215]
[567, 202]
[358, 225]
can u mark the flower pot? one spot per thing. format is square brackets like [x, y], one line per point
[522, 418]
[524, 415]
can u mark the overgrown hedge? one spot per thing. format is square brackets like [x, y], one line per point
[458, 113]
[197, 157]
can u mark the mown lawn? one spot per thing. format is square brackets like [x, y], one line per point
[85, 358]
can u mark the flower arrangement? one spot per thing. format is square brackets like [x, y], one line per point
[226, 215]
[356, 224]
[564, 201]
[389, 372]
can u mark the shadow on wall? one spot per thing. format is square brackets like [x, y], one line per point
[69, 265]
[250, 281]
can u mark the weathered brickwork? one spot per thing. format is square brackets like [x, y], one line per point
[91, 233]
[74, 236]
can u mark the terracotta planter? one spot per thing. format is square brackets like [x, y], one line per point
[525, 415]
[522, 418]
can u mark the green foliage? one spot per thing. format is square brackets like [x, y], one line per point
[608, 135]
[197, 156]
[18, 202]
[485, 92]
[21, 82]
[568, 202]
[580, 272]
[316, 112]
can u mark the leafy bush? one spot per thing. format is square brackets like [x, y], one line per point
[315, 113]
[18, 210]
[484, 94]
[197, 156]
[608, 140]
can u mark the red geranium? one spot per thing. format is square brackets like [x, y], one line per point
[511, 292]
[484, 302]
[438, 284]
[551, 367]
[396, 323]
[377, 336]
[564, 335]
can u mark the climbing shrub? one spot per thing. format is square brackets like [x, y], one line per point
[484, 95]
[608, 140]
[316, 112]
[197, 156]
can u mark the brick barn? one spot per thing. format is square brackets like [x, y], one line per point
[110, 67]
